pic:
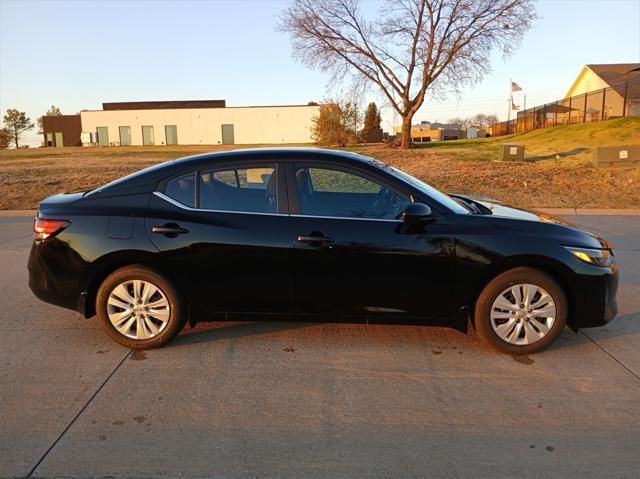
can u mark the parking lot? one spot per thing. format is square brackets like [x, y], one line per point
[278, 399]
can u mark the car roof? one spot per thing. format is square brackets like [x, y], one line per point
[284, 153]
[157, 172]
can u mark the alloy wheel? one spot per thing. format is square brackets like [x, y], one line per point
[523, 314]
[138, 309]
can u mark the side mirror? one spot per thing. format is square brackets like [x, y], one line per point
[416, 212]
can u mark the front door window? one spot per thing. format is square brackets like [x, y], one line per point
[332, 192]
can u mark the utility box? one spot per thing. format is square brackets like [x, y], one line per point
[511, 152]
[619, 156]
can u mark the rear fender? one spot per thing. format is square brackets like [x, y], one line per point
[107, 264]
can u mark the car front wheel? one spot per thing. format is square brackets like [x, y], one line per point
[521, 311]
[139, 308]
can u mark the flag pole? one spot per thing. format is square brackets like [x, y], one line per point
[510, 105]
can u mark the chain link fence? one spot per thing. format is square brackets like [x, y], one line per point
[616, 101]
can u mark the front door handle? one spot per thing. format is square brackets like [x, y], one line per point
[170, 229]
[314, 239]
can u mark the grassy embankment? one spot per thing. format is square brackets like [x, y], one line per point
[557, 174]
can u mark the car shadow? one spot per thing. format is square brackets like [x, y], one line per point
[207, 332]
[621, 326]
[560, 154]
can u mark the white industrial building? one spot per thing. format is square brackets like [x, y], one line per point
[201, 122]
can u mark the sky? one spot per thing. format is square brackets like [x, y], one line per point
[78, 54]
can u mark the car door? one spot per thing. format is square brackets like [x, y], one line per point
[223, 230]
[354, 253]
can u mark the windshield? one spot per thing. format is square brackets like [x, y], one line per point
[429, 191]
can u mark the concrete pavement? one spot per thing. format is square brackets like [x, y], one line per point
[314, 400]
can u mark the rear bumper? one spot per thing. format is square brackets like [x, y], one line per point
[48, 280]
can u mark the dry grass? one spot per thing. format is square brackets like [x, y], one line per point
[27, 176]
[541, 184]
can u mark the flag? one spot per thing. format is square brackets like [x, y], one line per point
[515, 87]
[514, 106]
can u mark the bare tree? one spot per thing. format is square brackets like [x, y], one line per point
[483, 120]
[411, 46]
[457, 121]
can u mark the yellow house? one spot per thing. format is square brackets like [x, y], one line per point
[622, 84]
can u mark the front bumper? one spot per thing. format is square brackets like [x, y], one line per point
[595, 296]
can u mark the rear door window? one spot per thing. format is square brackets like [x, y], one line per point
[249, 190]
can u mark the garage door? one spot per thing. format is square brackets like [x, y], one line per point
[103, 135]
[147, 135]
[227, 135]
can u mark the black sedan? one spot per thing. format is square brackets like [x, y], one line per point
[309, 233]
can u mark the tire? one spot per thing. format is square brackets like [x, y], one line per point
[536, 329]
[136, 321]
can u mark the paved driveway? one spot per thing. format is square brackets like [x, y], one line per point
[314, 400]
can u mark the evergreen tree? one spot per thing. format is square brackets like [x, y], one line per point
[371, 118]
[17, 122]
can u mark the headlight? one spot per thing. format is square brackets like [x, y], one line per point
[599, 257]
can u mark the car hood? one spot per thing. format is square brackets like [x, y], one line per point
[498, 208]
[534, 221]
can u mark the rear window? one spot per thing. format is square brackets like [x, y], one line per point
[130, 177]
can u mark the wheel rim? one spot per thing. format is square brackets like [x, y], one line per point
[523, 314]
[138, 309]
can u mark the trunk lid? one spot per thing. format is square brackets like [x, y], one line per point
[57, 203]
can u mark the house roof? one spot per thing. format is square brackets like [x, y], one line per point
[617, 75]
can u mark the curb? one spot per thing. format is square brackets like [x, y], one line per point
[592, 211]
[18, 213]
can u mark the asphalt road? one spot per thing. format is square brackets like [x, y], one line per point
[300, 400]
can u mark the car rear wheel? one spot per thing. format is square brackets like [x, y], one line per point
[521, 311]
[139, 308]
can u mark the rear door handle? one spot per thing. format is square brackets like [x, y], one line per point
[314, 239]
[171, 230]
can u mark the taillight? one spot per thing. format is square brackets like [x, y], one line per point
[43, 228]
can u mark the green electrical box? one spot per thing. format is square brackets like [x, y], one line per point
[511, 152]
[620, 156]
